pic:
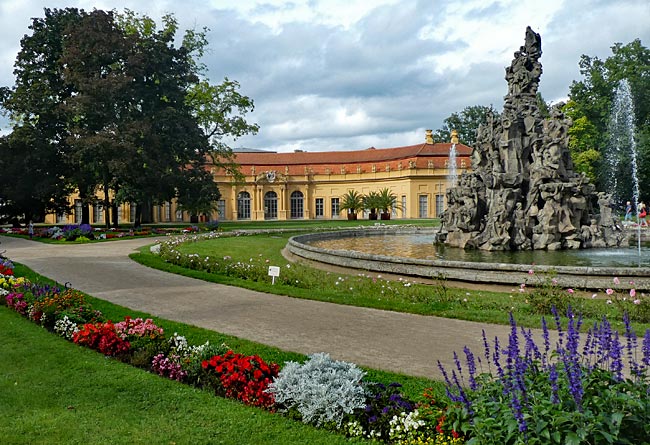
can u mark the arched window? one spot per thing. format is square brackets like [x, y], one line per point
[297, 207]
[244, 205]
[270, 205]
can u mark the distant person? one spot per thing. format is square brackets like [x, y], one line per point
[30, 230]
[628, 212]
[642, 215]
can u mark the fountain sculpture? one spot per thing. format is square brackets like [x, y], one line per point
[522, 192]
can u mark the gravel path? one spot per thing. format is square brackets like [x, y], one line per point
[404, 343]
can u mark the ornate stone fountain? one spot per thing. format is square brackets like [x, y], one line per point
[522, 192]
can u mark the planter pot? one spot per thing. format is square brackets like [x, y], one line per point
[385, 215]
[352, 216]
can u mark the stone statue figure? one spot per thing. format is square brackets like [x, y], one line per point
[522, 192]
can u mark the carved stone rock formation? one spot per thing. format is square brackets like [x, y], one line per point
[522, 192]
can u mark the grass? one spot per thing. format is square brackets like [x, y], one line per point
[439, 299]
[53, 391]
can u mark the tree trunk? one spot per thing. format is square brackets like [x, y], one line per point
[137, 220]
[115, 215]
[85, 210]
[107, 208]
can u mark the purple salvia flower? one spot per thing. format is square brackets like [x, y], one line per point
[471, 367]
[496, 356]
[646, 349]
[486, 351]
[616, 365]
[552, 377]
[631, 345]
[547, 341]
[517, 410]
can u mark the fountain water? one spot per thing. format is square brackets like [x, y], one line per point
[622, 141]
[453, 170]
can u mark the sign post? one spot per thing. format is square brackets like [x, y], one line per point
[274, 271]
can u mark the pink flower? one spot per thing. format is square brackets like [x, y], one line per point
[531, 271]
[632, 293]
[609, 291]
[570, 291]
[637, 301]
[617, 281]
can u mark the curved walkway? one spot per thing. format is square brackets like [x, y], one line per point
[404, 343]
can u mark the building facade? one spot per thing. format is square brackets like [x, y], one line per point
[311, 185]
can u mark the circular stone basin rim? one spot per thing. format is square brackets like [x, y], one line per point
[587, 277]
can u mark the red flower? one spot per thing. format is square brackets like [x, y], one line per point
[243, 377]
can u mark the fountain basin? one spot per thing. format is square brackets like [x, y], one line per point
[570, 276]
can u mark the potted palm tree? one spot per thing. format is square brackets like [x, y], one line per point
[371, 203]
[352, 202]
[387, 201]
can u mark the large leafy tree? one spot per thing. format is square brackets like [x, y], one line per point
[590, 108]
[120, 106]
[95, 60]
[466, 123]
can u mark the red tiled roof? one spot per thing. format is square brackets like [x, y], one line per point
[335, 158]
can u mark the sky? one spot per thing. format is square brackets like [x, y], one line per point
[352, 74]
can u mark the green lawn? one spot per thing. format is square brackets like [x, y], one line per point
[439, 299]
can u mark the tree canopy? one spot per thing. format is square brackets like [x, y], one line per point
[466, 123]
[109, 101]
[590, 107]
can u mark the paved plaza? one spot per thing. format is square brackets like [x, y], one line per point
[392, 341]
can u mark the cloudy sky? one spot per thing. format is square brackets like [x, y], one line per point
[350, 74]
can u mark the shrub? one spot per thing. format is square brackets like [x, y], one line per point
[6, 267]
[168, 367]
[51, 303]
[322, 390]
[245, 378]
[66, 328]
[385, 413]
[103, 338]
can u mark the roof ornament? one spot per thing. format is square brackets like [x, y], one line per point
[454, 136]
[428, 136]
[270, 176]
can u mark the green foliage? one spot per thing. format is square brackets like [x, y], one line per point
[322, 390]
[387, 200]
[466, 123]
[372, 201]
[352, 201]
[590, 108]
[547, 294]
[113, 102]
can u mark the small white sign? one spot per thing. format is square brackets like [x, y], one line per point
[274, 271]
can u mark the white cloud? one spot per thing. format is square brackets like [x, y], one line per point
[349, 74]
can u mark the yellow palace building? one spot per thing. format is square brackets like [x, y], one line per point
[311, 185]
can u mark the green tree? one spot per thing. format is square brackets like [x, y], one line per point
[29, 187]
[95, 60]
[466, 123]
[120, 106]
[352, 202]
[591, 106]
